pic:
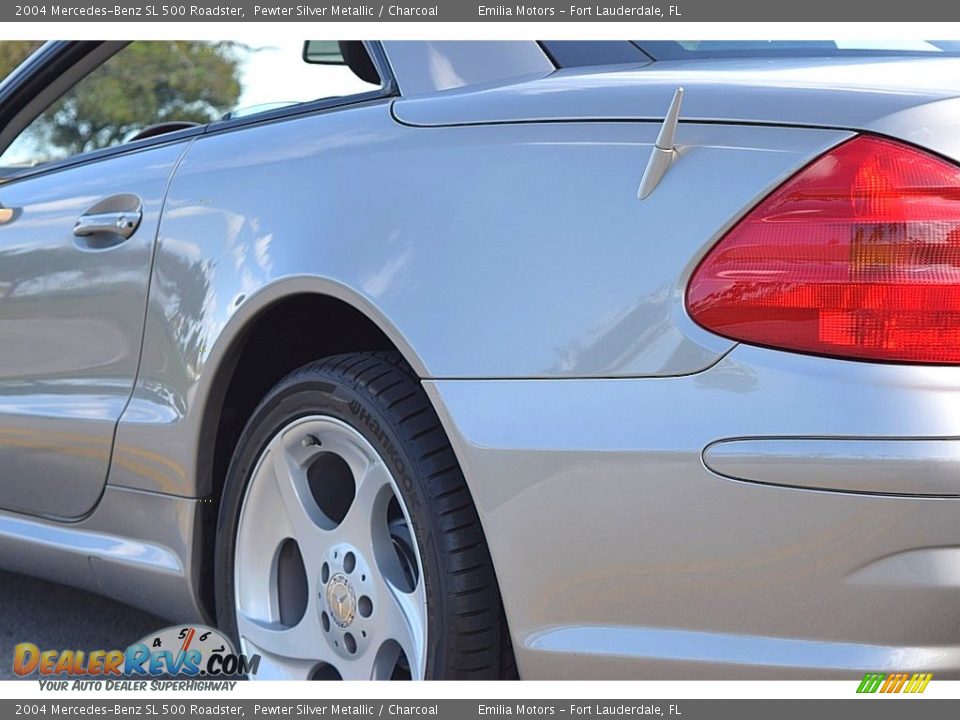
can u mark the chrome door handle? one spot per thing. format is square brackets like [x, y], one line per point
[123, 224]
[109, 222]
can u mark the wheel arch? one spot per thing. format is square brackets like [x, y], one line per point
[244, 363]
[273, 332]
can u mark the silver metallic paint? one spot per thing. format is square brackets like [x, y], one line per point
[71, 320]
[681, 654]
[285, 208]
[136, 547]
[677, 547]
[835, 92]
[431, 66]
[885, 466]
[515, 269]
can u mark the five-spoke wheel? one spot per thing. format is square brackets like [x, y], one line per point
[348, 545]
[325, 529]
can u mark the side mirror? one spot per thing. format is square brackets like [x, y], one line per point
[323, 52]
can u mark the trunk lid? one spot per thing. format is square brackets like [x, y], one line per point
[913, 98]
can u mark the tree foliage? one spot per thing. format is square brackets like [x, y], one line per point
[14, 52]
[144, 84]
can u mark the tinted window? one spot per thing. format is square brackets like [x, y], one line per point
[580, 53]
[706, 49]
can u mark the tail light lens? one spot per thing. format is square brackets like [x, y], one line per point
[856, 256]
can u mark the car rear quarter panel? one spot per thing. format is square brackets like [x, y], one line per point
[621, 555]
[509, 251]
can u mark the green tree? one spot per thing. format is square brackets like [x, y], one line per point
[144, 84]
[14, 52]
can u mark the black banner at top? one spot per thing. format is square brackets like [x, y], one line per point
[673, 11]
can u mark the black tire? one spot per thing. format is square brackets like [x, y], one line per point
[378, 391]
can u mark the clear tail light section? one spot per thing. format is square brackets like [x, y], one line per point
[856, 256]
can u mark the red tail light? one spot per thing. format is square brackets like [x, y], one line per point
[856, 256]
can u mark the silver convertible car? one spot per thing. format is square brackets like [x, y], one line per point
[486, 359]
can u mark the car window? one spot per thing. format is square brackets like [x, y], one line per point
[719, 49]
[151, 87]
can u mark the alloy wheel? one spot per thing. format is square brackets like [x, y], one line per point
[328, 577]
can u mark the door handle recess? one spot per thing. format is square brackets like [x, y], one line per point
[123, 224]
[110, 221]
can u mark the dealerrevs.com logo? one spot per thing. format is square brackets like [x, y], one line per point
[193, 651]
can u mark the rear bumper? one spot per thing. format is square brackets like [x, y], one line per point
[891, 466]
[620, 553]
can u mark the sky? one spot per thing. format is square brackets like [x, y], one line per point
[276, 72]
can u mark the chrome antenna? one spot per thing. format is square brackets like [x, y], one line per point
[661, 156]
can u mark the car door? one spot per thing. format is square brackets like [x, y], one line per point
[77, 229]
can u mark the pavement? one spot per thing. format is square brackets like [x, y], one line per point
[56, 617]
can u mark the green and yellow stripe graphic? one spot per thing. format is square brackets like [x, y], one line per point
[894, 682]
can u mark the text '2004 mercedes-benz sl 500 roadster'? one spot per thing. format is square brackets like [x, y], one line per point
[486, 359]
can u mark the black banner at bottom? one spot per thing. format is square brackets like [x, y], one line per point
[873, 707]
